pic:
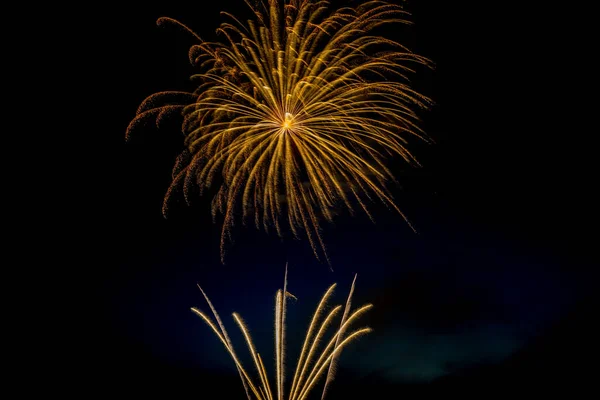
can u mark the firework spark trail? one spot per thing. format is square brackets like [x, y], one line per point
[331, 371]
[282, 330]
[225, 336]
[278, 328]
[325, 357]
[307, 372]
[303, 353]
[295, 115]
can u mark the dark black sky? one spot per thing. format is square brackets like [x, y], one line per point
[494, 289]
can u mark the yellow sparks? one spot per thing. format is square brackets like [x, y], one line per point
[295, 115]
[308, 372]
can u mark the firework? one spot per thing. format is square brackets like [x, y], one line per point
[295, 115]
[315, 360]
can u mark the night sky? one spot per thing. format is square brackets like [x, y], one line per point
[495, 288]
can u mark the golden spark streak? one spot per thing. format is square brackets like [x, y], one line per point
[250, 344]
[245, 377]
[224, 335]
[335, 352]
[331, 370]
[278, 327]
[314, 345]
[308, 336]
[324, 359]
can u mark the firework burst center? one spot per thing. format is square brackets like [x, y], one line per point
[288, 121]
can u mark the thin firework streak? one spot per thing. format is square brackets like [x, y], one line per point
[314, 360]
[295, 115]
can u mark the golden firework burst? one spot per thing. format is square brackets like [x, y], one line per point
[295, 115]
[315, 360]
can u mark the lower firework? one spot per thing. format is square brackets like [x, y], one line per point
[315, 361]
